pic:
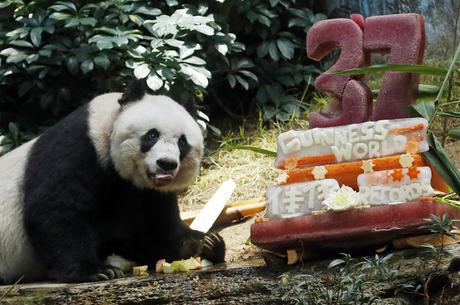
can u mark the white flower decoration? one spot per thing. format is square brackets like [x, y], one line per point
[343, 199]
[406, 160]
[282, 178]
[368, 166]
[319, 172]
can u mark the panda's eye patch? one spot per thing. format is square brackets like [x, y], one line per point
[153, 134]
[184, 147]
[183, 141]
[149, 139]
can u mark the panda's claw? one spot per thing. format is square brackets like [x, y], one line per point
[110, 273]
[213, 247]
[118, 273]
[107, 273]
[211, 240]
[98, 277]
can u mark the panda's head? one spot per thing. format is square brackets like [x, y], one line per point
[155, 143]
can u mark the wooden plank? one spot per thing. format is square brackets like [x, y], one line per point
[208, 215]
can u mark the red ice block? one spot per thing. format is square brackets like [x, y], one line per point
[359, 19]
[403, 37]
[349, 229]
[356, 107]
[322, 38]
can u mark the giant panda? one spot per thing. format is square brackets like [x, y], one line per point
[103, 180]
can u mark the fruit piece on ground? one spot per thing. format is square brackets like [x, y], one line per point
[180, 266]
[192, 263]
[205, 263]
[159, 265]
[140, 270]
[167, 268]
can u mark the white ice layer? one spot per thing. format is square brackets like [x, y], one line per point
[385, 177]
[366, 140]
[381, 188]
[298, 198]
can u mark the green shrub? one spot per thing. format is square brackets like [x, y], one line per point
[236, 56]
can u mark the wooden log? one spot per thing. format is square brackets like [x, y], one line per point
[248, 285]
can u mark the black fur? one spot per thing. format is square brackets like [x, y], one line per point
[184, 147]
[134, 92]
[149, 139]
[78, 212]
[191, 109]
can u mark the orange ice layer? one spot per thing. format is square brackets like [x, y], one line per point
[347, 173]
[294, 162]
[407, 129]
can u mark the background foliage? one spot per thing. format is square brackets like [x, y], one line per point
[230, 57]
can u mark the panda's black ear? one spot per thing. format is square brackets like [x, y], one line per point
[191, 108]
[134, 92]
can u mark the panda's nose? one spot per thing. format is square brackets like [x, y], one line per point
[167, 164]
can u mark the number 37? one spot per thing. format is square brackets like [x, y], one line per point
[402, 36]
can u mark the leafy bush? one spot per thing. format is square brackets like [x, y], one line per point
[345, 283]
[273, 33]
[237, 56]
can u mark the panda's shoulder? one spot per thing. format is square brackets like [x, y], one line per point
[77, 135]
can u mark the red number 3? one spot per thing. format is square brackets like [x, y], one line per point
[402, 36]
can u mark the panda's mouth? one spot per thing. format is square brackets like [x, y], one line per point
[160, 179]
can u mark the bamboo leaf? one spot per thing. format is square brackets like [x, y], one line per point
[454, 133]
[424, 91]
[450, 114]
[444, 82]
[427, 90]
[438, 158]
[259, 150]
[424, 109]
[421, 69]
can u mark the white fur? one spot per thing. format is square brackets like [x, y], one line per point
[171, 120]
[103, 111]
[16, 255]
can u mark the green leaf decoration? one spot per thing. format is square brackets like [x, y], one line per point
[421, 69]
[424, 109]
[438, 158]
[454, 203]
[259, 150]
[454, 133]
[427, 90]
[451, 114]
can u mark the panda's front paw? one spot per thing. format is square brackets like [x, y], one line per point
[106, 273]
[213, 248]
[189, 247]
